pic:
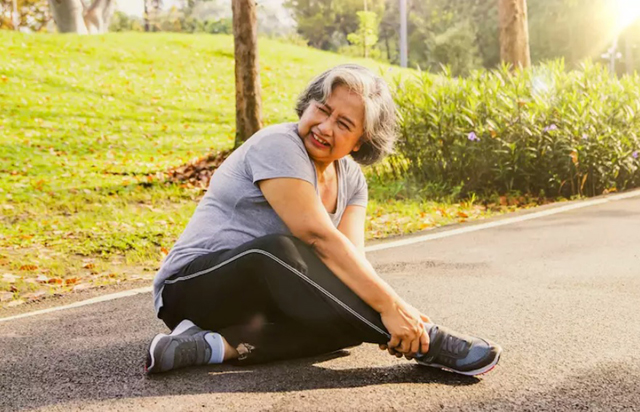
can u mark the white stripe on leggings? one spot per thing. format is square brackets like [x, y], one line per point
[292, 269]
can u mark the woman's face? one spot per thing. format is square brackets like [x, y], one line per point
[333, 129]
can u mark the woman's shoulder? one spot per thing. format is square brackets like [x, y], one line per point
[285, 132]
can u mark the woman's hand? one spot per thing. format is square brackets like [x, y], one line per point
[406, 326]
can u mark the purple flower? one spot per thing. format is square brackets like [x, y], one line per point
[550, 128]
[473, 137]
[585, 137]
[635, 154]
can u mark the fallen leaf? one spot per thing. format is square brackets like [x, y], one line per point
[89, 266]
[55, 281]
[71, 281]
[29, 267]
[463, 215]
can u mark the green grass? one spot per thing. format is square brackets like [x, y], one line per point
[84, 120]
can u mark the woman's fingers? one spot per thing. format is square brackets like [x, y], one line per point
[415, 345]
[424, 341]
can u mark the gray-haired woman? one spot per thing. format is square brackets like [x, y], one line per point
[272, 265]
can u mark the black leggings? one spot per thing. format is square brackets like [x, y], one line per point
[271, 298]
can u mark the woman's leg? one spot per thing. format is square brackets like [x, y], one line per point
[271, 298]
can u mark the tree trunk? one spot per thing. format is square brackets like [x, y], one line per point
[514, 33]
[98, 16]
[146, 15]
[71, 16]
[245, 41]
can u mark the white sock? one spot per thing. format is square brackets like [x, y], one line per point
[217, 347]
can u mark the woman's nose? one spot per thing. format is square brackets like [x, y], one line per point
[326, 126]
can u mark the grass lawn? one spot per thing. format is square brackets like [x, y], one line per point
[86, 121]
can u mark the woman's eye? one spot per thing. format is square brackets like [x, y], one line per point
[343, 125]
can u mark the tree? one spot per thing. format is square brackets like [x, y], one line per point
[325, 24]
[514, 33]
[245, 42]
[367, 34]
[73, 16]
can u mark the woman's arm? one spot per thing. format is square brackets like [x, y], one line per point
[352, 225]
[298, 205]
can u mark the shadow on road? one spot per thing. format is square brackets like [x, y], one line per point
[115, 372]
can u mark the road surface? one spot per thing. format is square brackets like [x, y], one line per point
[560, 293]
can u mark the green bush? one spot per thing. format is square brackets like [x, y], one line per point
[543, 131]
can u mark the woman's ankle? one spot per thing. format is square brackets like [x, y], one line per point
[229, 351]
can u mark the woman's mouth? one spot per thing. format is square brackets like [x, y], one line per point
[318, 140]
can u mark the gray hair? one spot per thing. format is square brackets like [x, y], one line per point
[380, 127]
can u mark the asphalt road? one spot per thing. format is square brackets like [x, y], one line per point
[561, 294]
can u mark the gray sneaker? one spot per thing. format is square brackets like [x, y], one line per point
[454, 352]
[185, 346]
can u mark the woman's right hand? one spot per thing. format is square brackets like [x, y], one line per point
[405, 324]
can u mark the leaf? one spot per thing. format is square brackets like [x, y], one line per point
[71, 281]
[89, 266]
[56, 281]
[462, 215]
[29, 267]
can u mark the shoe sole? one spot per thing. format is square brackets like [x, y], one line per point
[150, 361]
[475, 372]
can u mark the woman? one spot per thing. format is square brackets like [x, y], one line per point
[272, 265]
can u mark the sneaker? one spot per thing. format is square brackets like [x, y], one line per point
[185, 346]
[454, 352]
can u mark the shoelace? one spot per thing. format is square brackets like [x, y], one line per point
[453, 346]
[450, 344]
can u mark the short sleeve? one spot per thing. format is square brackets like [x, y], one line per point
[360, 192]
[278, 155]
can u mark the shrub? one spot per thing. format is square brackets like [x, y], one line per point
[543, 131]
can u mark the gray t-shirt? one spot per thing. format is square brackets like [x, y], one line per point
[234, 211]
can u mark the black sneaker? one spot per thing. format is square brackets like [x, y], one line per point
[185, 346]
[454, 352]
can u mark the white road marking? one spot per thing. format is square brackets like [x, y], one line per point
[386, 245]
[502, 222]
[97, 299]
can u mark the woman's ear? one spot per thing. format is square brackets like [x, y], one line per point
[357, 146]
